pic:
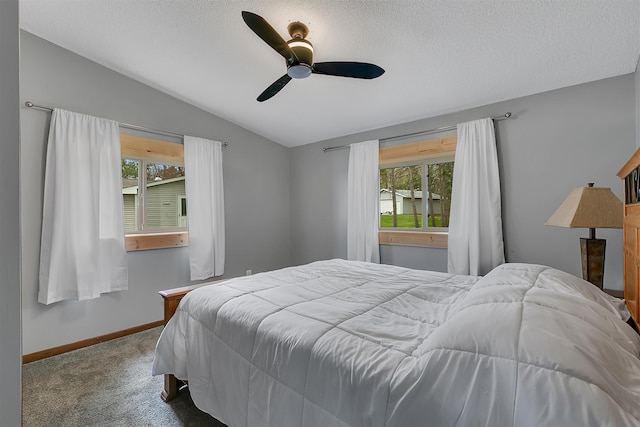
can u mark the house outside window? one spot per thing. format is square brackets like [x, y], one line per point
[152, 203]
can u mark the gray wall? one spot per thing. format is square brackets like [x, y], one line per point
[257, 214]
[10, 353]
[554, 142]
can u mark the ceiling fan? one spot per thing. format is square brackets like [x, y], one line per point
[298, 54]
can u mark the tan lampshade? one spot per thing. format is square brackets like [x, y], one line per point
[589, 207]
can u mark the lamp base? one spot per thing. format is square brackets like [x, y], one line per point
[592, 254]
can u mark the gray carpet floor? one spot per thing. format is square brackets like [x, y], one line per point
[108, 384]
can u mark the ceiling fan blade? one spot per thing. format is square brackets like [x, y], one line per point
[274, 88]
[358, 70]
[266, 32]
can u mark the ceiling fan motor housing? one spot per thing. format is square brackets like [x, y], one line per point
[303, 58]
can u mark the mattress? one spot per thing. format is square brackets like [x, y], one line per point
[346, 343]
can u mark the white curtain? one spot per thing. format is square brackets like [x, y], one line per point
[363, 208]
[205, 206]
[475, 224]
[82, 251]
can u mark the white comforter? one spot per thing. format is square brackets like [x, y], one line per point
[343, 343]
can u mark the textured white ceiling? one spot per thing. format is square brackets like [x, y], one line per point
[439, 56]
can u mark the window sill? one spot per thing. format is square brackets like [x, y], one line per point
[142, 242]
[430, 239]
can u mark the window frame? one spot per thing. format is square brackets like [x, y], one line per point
[422, 152]
[153, 150]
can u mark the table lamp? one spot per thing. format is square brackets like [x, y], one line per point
[590, 207]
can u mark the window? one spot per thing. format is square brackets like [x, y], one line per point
[152, 199]
[153, 192]
[408, 194]
[415, 192]
[182, 211]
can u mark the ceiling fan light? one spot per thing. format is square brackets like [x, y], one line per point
[299, 71]
[300, 43]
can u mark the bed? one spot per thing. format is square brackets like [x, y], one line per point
[346, 343]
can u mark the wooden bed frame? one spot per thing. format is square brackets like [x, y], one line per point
[171, 299]
[630, 174]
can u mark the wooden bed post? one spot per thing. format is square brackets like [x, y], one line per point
[172, 298]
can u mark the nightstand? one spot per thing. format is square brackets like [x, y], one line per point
[615, 293]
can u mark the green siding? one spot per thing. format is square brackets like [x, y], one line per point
[162, 204]
[130, 212]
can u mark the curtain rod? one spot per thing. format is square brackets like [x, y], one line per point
[125, 125]
[422, 132]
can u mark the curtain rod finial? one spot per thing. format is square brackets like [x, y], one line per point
[508, 114]
[29, 104]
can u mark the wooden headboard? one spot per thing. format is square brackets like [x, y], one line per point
[630, 175]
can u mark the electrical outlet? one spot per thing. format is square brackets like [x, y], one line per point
[249, 272]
